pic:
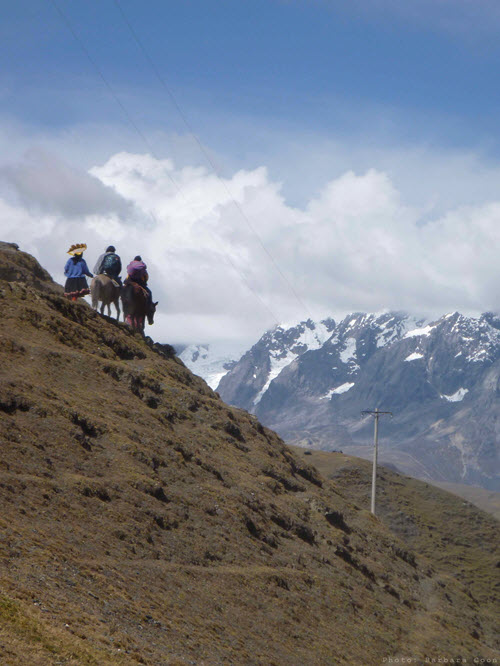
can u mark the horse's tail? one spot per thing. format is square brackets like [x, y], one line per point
[95, 291]
[126, 297]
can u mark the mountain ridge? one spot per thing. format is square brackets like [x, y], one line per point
[440, 379]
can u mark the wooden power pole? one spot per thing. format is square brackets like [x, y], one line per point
[376, 413]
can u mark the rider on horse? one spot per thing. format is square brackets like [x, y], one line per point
[136, 296]
[109, 263]
[137, 272]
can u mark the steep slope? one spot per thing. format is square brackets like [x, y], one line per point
[462, 541]
[145, 521]
[440, 380]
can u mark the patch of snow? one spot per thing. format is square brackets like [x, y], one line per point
[393, 330]
[213, 378]
[334, 339]
[458, 396]
[312, 337]
[414, 356]
[315, 333]
[349, 351]
[206, 363]
[426, 330]
[343, 388]
[277, 365]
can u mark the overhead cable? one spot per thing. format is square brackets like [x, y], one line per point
[207, 155]
[150, 149]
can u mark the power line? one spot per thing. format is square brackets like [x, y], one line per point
[99, 72]
[149, 147]
[207, 155]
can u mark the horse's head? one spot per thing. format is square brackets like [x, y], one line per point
[151, 313]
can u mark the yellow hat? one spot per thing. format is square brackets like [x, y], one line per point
[77, 249]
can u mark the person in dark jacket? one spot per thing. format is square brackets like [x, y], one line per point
[75, 271]
[109, 263]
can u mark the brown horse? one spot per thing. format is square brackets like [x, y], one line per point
[104, 290]
[137, 306]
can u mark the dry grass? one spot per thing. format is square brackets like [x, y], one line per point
[460, 540]
[145, 521]
[487, 500]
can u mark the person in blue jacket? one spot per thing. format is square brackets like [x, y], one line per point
[75, 271]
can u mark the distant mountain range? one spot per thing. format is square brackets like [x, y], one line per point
[441, 380]
[203, 361]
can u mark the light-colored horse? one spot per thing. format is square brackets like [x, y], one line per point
[105, 291]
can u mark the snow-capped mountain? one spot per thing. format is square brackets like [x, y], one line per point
[251, 377]
[311, 381]
[207, 363]
[339, 348]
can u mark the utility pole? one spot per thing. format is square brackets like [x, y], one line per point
[376, 413]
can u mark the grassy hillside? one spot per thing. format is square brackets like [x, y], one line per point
[462, 541]
[487, 500]
[146, 522]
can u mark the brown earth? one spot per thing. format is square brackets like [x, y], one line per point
[146, 522]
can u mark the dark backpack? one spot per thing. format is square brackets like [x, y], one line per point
[111, 264]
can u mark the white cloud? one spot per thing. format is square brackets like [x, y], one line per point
[44, 182]
[355, 246]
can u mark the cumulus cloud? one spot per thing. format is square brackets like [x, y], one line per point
[45, 183]
[228, 258]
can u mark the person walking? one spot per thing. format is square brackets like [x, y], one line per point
[75, 271]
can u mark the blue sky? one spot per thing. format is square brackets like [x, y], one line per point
[402, 95]
[253, 78]
[318, 65]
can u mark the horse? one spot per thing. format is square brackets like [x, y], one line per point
[105, 290]
[136, 306]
